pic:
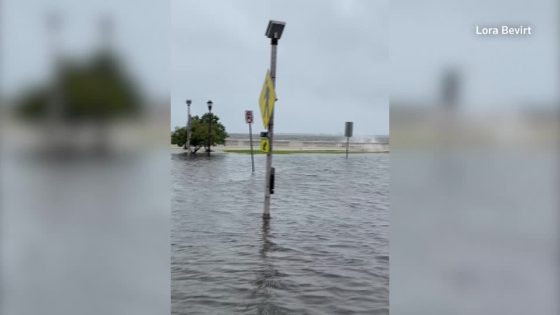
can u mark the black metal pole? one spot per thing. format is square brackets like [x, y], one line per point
[209, 130]
[188, 142]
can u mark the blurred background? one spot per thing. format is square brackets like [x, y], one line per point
[84, 122]
[474, 150]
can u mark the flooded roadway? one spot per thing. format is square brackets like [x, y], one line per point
[324, 251]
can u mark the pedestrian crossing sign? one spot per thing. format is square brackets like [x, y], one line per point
[267, 100]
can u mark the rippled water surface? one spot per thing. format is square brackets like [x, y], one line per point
[324, 251]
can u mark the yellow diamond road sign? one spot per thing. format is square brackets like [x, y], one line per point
[267, 99]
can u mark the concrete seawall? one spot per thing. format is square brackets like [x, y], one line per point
[309, 145]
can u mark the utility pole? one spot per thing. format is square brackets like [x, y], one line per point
[274, 32]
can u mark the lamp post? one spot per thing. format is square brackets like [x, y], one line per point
[274, 32]
[188, 143]
[209, 103]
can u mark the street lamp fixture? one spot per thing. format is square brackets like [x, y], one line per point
[209, 103]
[275, 29]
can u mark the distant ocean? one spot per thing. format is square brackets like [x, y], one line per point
[316, 137]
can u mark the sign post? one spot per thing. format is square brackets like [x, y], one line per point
[249, 121]
[348, 130]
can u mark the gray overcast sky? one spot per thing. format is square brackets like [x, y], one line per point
[333, 63]
[496, 72]
[333, 59]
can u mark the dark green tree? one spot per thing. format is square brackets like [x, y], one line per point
[97, 89]
[199, 133]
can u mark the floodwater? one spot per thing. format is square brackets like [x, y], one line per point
[325, 249]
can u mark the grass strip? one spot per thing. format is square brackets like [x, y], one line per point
[246, 151]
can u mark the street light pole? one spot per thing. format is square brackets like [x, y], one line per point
[274, 32]
[188, 143]
[208, 141]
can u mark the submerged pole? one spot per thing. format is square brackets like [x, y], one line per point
[274, 32]
[268, 178]
[348, 130]
[251, 143]
[188, 143]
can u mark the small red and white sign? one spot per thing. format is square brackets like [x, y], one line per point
[249, 116]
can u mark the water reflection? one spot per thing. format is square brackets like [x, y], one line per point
[266, 243]
[266, 275]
